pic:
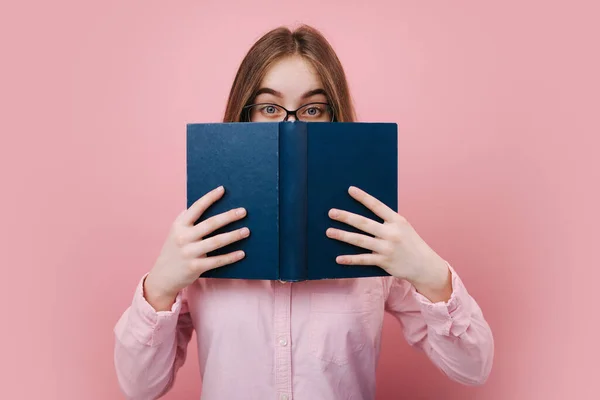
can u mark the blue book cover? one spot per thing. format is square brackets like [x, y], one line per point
[288, 175]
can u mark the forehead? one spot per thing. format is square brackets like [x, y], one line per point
[292, 76]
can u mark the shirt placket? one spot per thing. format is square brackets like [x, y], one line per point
[283, 347]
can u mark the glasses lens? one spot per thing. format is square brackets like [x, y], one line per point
[315, 112]
[266, 113]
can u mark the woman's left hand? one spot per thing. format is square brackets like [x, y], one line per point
[396, 247]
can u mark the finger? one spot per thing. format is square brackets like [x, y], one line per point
[358, 221]
[357, 239]
[373, 204]
[191, 215]
[205, 264]
[360, 259]
[215, 222]
[199, 248]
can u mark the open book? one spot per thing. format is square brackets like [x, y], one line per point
[288, 175]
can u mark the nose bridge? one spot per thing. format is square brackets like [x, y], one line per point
[291, 114]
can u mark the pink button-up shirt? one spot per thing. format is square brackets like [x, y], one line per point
[302, 341]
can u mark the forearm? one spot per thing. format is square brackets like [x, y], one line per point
[465, 358]
[143, 372]
[150, 346]
[449, 327]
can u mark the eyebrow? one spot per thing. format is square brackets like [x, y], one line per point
[275, 93]
[314, 92]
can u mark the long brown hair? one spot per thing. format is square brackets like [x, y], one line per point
[281, 42]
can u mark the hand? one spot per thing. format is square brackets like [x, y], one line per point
[183, 257]
[396, 247]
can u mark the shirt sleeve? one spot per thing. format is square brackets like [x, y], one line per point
[454, 334]
[151, 346]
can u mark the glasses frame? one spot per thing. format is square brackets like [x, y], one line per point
[291, 112]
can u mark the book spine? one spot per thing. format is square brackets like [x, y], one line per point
[293, 197]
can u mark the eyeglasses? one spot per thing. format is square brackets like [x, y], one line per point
[269, 112]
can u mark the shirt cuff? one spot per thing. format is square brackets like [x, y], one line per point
[151, 327]
[450, 318]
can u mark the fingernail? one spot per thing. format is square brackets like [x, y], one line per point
[334, 213]
[240, 254]
[220, 188]
[245, 232]
[240, 211]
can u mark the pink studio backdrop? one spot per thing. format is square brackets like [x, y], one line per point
[497, 106]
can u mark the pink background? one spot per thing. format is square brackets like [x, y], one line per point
[497, 106]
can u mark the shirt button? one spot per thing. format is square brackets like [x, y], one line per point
[284, 397]
[283, 342]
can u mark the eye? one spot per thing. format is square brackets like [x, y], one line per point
[313, 111]
[270, 110]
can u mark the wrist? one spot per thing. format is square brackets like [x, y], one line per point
[158, 298]
[435, 283]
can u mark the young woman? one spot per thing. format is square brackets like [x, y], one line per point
[307, 340]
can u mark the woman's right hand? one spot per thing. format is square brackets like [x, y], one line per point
[183, 257]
